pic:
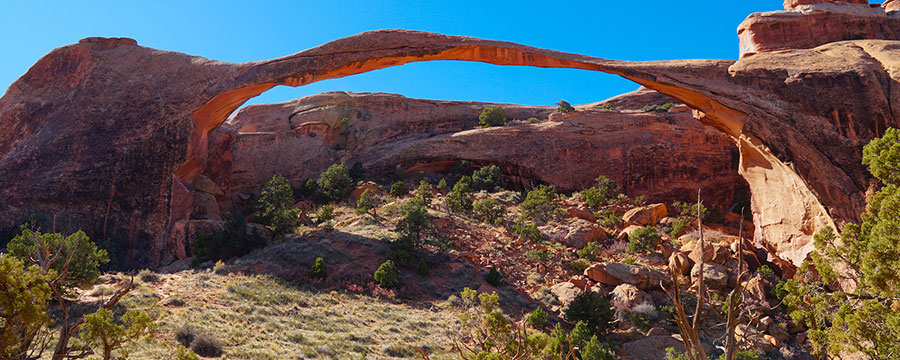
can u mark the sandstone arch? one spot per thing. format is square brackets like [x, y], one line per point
[67, 148]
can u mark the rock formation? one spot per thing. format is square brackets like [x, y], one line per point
[809, 23]
[111, 136]
[664, 156]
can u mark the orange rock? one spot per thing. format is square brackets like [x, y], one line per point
[360, 189]
[645, 215]
[580, 213]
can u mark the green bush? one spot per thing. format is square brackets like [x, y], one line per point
[493, 116]
[609, 218]
[493, 277]
[274, 205]
[387, 276]
[643, 239]
[579, 265]
[540, 256]
[367, 203]
[600, 194]
[532, 120]
[442, 185]
[319, 269]
[398, 189]
[540, 205]
[458, 201]
[689, 211]
[596, 350]
[184, 354]
[24, 296]
[528, 232]
[104, 334]
[596, 311]
[414, 220]
[335, 183]
[590, 251]
[234, 239]
[608, 106]
[401, 250]
[325, 213]
[679, 227]
[658, 107]
[185, 335]
[487, 178]
[564, 107]
[77, 258]
[490, 211]
[356, 171]
[538, 318]
[425, 193]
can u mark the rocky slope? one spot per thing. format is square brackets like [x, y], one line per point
[110, 136]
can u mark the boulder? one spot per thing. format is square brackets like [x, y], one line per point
[204, 184]
[565, 292]
[714, 276]
[756, 287]
[627, 231]
[581, 232]
[714, 252]
[580, 212]
[626, 296]
[648, 215]
[680, 262]
[651, 347]
[618, 273]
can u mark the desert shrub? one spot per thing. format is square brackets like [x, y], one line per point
[629, 260]
[538, 318]
[458, 201]
[658, 107]
[766, 271]
[590, 251]
[24, 296]
[487, 178]
[609, 218]
[387, 276]
[274, 205]
[319, 270]
[593, 349]
[104, 334]
[493, 277]
[186, 334]
[540, 205]
[77, 258]
[148, 276]
[679, 227]
[579, 265]
[401, 250]
[462, 167]
[442, 185]
[368, 203]
[206, 346]
[564, 107]
[532, 120]
[493, 116]
[181, 353]
[230, 241]
[689, 211]
[600, 194]
[425, 193]
[596, 311]
[398, 189]
[490, 211]
[423, 268]
[540, 256]
[608, 106]
[414, 220]
[325, 213]
[335, 182]
[528, 232]
[643, 239]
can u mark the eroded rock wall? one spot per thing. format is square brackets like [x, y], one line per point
[666, 156]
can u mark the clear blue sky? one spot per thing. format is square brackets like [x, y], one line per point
[240, 31]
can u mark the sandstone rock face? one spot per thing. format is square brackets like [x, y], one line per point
[565, 292]
[648, 153]
[109, 136]
[714, 276]
[810, 23]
